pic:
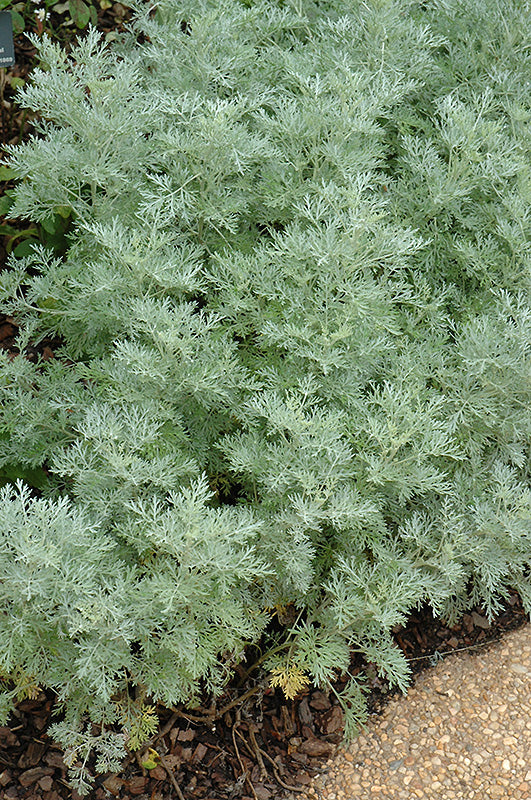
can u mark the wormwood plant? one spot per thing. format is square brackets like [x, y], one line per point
[296, 323]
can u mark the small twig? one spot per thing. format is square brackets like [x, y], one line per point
[247, 747]
[261, 660]
[457, 650]
[244, 771]
[167, 728]
[213, 717]
[171, 776]
[136, 755]
[275, 769]
[263, 771]
[277, 776]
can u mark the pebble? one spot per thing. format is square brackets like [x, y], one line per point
[397, 763]
[468, 734]
[519, 668]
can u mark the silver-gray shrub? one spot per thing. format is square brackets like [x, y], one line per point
[296, 325]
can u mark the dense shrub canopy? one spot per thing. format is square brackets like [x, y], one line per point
[296, 325]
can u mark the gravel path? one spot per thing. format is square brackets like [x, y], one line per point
[462, 731]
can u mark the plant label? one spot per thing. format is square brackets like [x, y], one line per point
[7, 47]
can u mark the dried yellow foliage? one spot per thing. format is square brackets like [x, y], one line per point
[291, 680]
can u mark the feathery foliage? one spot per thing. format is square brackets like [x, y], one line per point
[296, 324]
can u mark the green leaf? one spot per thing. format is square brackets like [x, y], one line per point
[152, 760]
[5, 205]
[33, 476]
[51, 224]
[25, 248]
[17, 234]
[6, 173]
[6, 707]
[19, 23]
[80, 13]
[149, 764]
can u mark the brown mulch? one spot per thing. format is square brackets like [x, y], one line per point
[261, 747]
